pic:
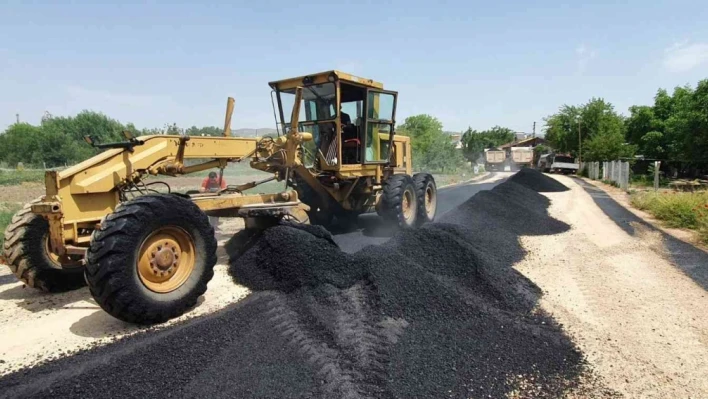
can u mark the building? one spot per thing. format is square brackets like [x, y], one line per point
[526, 142]
[456, 139]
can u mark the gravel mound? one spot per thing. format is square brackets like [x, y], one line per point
[285, 255]
[537, 181]
[433, 312]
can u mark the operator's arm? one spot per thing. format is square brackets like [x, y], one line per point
[223, 183]
[204, 184]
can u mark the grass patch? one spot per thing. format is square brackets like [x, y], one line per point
[11, 178]
[676, 209]
[7, 210]
[648, 181]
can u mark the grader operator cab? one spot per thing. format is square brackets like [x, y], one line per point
[147, 254]
[356, 163]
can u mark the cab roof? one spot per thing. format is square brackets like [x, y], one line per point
[323, 77]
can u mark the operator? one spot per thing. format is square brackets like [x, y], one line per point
[344, 117]
[211, 184]
[348, 130]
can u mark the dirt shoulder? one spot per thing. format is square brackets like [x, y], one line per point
[631, 296]
[623, 198]
[37, 327]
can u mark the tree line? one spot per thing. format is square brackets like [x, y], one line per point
[433, 149]
[59, 141]
[675, 128]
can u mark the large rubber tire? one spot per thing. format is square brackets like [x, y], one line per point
[399, 201]
[27, 252]
[317, 214]
[112, 267]
[427, 194]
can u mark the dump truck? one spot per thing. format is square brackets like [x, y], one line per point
[494, 159]
[147, 253]
[522, 156]
[557, 163]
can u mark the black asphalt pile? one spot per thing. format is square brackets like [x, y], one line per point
[508, 206]
[537, 181]
[434, 312]
[285, 256]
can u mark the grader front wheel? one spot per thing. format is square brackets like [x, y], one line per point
[151, 259]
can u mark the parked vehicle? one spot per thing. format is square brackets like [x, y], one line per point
[557, 163]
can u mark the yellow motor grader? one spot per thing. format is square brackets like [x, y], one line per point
[147, 254]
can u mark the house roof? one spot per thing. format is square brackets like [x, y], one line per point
[529, 142]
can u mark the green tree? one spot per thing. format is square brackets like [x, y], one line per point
[433, 150]
[607, 145]
[675, 127]
[652, 145]
[19, 143]
[206, 131]
[474, 142]
[641, 121]
[422, 129]
[562, 129]
[596, 123]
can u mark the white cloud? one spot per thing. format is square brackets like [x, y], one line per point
[682, 57]
[584, 55]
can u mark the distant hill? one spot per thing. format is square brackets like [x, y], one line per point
[247, 132]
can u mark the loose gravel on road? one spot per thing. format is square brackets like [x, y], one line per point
[535, 180]
[433, 312]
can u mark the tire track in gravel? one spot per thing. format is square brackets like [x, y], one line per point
[434, 312]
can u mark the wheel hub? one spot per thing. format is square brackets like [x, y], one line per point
[429, 200]
[408, 208]
[166, 259]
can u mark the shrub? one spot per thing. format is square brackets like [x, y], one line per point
[689, 210]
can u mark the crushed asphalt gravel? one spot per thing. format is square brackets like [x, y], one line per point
[535, 180]
[433, 312]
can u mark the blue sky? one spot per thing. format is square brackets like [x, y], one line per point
[469, 63]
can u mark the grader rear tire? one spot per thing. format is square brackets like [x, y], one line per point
[151, 259]
[399, 201]
[427, 195]
[27, 252]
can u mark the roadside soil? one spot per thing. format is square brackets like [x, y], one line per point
[37, 327]
[623, 198]
[633, 304]
[21, 193]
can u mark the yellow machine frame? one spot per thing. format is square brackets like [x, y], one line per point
[78, 198]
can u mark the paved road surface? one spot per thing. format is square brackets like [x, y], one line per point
[372, 229]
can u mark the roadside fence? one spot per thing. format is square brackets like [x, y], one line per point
[616, 172]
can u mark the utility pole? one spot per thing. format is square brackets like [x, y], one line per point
[534, 130]
[580, 144]
[17, 116]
